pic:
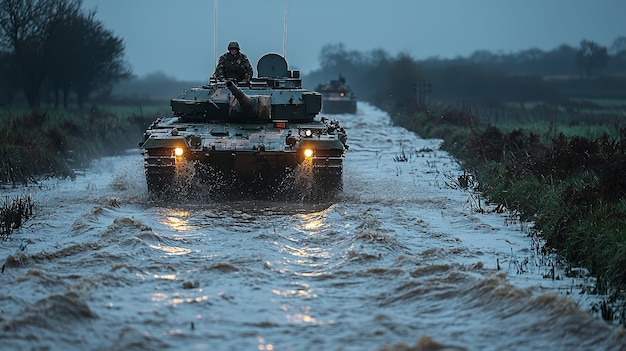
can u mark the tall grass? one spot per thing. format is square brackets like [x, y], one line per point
[548, 121]
[13, 213]
[55, 143]
[567, 178]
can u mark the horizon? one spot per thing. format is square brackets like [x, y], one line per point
[184, 42]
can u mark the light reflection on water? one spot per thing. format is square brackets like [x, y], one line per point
[171, 250]
[303, 293]
[179, 300]
[386, 264]
[176, 224]
[313, 226]
[177, 220]
[314, 223]
[302, 318]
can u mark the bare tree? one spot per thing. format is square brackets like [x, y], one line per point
[25, 29]
[57, 41]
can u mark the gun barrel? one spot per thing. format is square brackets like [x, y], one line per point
[245, 101]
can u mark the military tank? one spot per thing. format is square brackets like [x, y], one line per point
[337, 97]
[262, 138]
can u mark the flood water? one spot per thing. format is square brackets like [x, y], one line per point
[400, 260]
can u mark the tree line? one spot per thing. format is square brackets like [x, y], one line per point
[55, 50]
[588, 70]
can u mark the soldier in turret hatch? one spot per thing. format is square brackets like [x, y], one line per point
[233, 65]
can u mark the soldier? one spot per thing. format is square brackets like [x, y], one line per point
[234, 65]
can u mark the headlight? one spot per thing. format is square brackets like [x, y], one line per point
[308, 153]
[178, 151]
[308, 133]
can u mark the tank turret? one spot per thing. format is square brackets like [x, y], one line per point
[260, 137]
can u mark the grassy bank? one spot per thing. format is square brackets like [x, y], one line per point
[568, 176]
[36, 145]
[56, 142]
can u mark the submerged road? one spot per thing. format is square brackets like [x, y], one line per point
[400, 258]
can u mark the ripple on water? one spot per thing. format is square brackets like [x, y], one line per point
[55, 312]
[537, 316]
[132, 339]
[391, 262]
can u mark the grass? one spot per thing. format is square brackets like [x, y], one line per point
[569, 179]
[548, 120]
[13, 213]
[54, 143]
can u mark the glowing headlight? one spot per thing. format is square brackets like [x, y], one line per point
[308, 133]
[308, 152]
[178, 151]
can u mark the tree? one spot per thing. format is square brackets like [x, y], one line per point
[7, 78]
[484, 57]
[618, 46]
[400, 85]
[336, 55]
[65, 41]
[559, 61]
[591, 58]
[87, 58]
[618, 52]
[55, 40]
[25, 29]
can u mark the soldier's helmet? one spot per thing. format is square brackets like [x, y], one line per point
[233, 45]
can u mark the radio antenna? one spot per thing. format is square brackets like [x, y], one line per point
[285, 33]
[214, 35]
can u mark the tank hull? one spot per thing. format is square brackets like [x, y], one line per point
[333, 105]
[224, 174]
[267, 162]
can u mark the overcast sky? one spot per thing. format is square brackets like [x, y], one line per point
[177, 37]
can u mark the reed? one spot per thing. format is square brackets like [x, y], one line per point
[13, 213]
[56, 143]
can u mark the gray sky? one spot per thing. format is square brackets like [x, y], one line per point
[177, 37]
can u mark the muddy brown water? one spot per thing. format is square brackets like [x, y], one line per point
[400, 260]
